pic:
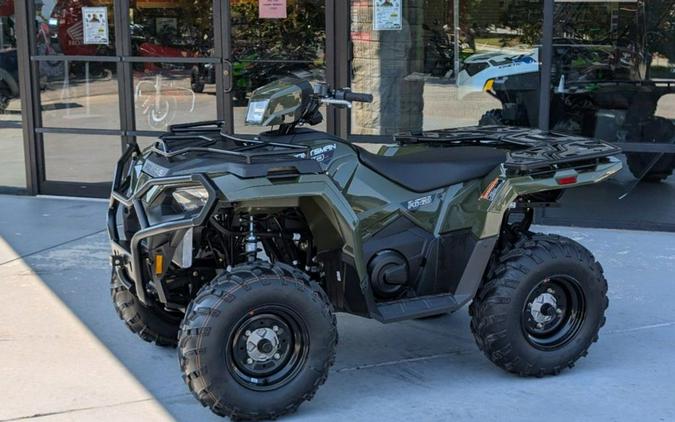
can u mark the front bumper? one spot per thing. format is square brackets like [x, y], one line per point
[126, 253]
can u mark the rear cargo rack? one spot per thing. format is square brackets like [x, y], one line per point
[529, 149]
[208, 137]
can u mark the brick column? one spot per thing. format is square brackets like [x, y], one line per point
[382, 64]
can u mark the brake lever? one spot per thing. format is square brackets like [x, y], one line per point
[335, 102]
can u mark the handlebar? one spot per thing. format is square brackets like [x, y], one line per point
[340, 97]
[347, 95]
[358, 97]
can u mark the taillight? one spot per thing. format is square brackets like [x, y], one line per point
[567, 180]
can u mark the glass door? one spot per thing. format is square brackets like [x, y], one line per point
[108, 72]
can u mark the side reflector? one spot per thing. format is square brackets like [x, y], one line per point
[488, 85]
[159, 264]
[569, 180]
[490, 188]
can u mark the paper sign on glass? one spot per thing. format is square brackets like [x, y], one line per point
[387, 15]
[95, 25]
[272, 9]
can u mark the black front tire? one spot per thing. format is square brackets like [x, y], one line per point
[151, 323]
[226, 373]
[502, 316]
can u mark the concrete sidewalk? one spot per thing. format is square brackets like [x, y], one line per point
[64, 354]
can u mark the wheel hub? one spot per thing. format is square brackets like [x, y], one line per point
[544, 308]
[262, 344]
[553, 312]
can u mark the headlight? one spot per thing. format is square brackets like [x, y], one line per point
[167, 203]
[192, 198]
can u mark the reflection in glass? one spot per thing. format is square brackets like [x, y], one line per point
[61, 27]
[613, 77]
[165, 94]
[299, 36]
[80, 158]
[434, 72]
[12, 171]
[171, 28]
[79, 94]
[266, 49]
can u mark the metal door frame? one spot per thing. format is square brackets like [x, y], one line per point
[34, 130]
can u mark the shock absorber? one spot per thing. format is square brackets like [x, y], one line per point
[251, 241]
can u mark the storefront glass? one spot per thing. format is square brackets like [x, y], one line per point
[169, 93]
[82, 159]
[171, 28]
[614, 79]
[271, 44]
[12, 171]
[80, 94]
[429, 63]
[75, 27]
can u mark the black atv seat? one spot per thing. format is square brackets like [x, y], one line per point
[435, 167]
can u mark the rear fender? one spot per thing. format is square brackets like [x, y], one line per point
[501, 190]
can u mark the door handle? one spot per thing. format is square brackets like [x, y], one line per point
[227, 76]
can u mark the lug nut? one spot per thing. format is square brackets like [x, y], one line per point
[247, 333]
[249, 361]
[559, 311]
[550, 290]
[540, 325]
[277, 356]
[275, 328]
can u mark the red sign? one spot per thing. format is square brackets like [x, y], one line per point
[6, 7]
[156, 4]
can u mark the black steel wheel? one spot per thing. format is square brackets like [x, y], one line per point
[553, 312]
[269, 347]
[541, 305]
[257, 341]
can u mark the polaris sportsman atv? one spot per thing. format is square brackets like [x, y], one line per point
[240, 251]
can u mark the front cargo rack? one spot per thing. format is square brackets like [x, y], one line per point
[208, 136]
[529, 149]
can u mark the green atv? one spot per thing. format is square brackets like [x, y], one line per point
[240, 251]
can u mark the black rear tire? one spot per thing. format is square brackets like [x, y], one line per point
[492, 117]
[569, 292]
[151, 323]
[248, 381]
[654, 130]
[196, 83]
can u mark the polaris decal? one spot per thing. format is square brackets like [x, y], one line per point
[154, 169]
[414, 204]
[320, 154]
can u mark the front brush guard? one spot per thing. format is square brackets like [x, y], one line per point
[126, 255]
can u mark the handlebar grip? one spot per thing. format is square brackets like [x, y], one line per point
[358, 97]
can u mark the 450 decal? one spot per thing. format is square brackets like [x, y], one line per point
[414, 204]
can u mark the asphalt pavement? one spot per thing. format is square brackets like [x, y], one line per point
[65, 356]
